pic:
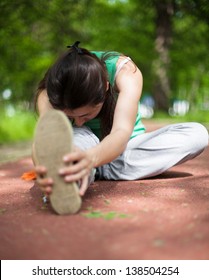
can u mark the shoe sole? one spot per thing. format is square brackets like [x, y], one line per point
[53, 140]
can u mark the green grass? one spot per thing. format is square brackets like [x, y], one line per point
[193, 116]
[18, 127]
[95, 214]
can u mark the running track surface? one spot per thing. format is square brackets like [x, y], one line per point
[166, 217]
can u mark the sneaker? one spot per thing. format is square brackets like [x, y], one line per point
[53, 139]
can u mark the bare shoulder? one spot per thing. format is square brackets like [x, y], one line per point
[127, 64]
[129, 72]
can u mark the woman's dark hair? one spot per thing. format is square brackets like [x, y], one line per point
[79, 78]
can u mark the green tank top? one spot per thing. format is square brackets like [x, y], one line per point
[110, 63]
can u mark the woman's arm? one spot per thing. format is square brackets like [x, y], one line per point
[129, 83]
[43, 103]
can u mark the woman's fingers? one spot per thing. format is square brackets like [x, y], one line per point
[76, 155]
[44, 183]
[76, 176]
[84, 185]
[79, 168]
[40, 170]
[76, 167]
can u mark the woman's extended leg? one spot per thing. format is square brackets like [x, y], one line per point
[85, 139]
[153, 153]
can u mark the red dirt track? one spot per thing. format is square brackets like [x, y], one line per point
[166, 217]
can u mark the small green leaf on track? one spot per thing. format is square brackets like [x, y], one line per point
[106, 216]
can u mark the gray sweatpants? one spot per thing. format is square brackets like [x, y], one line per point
[149, 154]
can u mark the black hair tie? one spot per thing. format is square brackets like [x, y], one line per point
[76, 47]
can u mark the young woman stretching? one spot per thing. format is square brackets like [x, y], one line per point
[99, 93]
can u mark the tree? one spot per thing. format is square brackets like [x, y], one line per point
[189, 59]
[163, 22]
[174, 72]
[31, 35]
[157, 35]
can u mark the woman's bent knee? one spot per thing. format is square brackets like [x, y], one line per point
[198, 138]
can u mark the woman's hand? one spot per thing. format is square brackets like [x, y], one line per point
[44, 183]
[78, 168]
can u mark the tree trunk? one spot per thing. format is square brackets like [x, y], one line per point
[161, 87]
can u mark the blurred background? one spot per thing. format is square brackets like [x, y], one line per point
[168, 40]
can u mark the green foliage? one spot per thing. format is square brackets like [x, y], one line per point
[196, 115]
[32, 33]
[190, 63]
